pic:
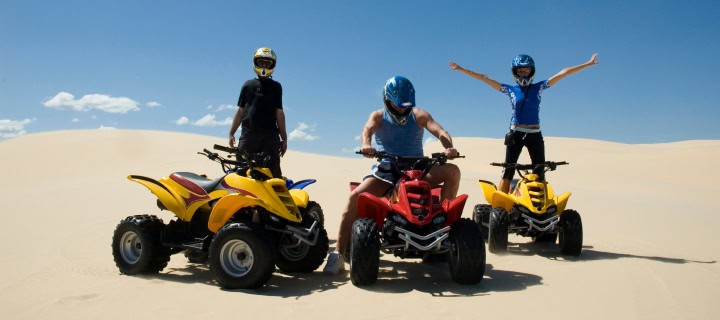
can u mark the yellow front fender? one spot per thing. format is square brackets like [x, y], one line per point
[562, 201]
[300, 197]
[169, 198]
[488, 188]
[227, 206]
[503, 200]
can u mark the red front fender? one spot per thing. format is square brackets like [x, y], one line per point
[370, 206]
[454, 208]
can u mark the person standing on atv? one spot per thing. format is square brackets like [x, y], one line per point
[525, 100]
[260, 113]
[398, 129]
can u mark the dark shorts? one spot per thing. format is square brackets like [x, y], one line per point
[384, 172]
[268, 143]
[513, 147]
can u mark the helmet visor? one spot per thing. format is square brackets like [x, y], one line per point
[400, 110]
[263, 63]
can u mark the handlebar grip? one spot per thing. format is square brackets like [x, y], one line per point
[497, 164]
[225, 149]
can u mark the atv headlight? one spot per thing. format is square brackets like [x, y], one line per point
[439, 219]
[552, 210]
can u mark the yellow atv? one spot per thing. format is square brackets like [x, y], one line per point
[531, 210]
[243, 224]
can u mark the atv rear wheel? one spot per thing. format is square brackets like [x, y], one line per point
[136, 245]
[297, 256]
[467, 257]
[241, 257]
[364, 252]
[498, 231]
[315, 211]
[481, 216]
[571, 233]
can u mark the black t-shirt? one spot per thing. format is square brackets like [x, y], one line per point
[260, 98]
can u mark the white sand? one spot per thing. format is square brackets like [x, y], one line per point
[650, 228]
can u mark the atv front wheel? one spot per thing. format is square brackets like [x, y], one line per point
[196, 256]
[241, 257]
[467, 257]
[364, 252]
[481, 216]
[571, 233]
[498, 231]
[297, 256]
[136, 245]
[314, 210]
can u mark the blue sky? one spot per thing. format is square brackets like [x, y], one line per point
[179, 65]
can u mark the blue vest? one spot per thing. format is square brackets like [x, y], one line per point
[402, 140]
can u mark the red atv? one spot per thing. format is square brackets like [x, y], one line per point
[411, 222]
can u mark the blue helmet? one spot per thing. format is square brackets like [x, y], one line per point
[400, 92]
[523, 61]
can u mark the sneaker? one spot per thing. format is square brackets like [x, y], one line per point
[335, 263]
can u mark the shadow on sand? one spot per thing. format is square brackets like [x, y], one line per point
[394, 277]
[552, 252]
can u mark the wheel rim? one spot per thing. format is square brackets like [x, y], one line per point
[130, 247]
[293, 249]
[236, 258]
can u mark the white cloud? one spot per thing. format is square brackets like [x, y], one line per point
[222, 107]
[102, 127]
[226, 107]
[75, 120]
[209, 121]
[300, 133]
[64, 100]
[153, 104]
[13, 128]
[357, 138]
[182, 121]
[348, 150]
[429, 140]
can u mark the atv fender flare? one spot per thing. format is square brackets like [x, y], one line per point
[502, 200]
[454, 208]
[488, 188]
[300, 197]
[372, 207]
[169, 198]
[228, 205]
[562, 201]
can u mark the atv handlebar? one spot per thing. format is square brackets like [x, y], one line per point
[225, 163]
[225, 149]
[550, 165]
[400, 163]
[386, 155]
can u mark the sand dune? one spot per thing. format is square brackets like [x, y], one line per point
[650, 225]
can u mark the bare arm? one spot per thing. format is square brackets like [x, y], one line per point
[568, 71]
[492, 83]
[368, 130]
[280, 118]
[235, 125]
[425, 120]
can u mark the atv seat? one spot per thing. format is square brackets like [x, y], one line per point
[201, 181]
